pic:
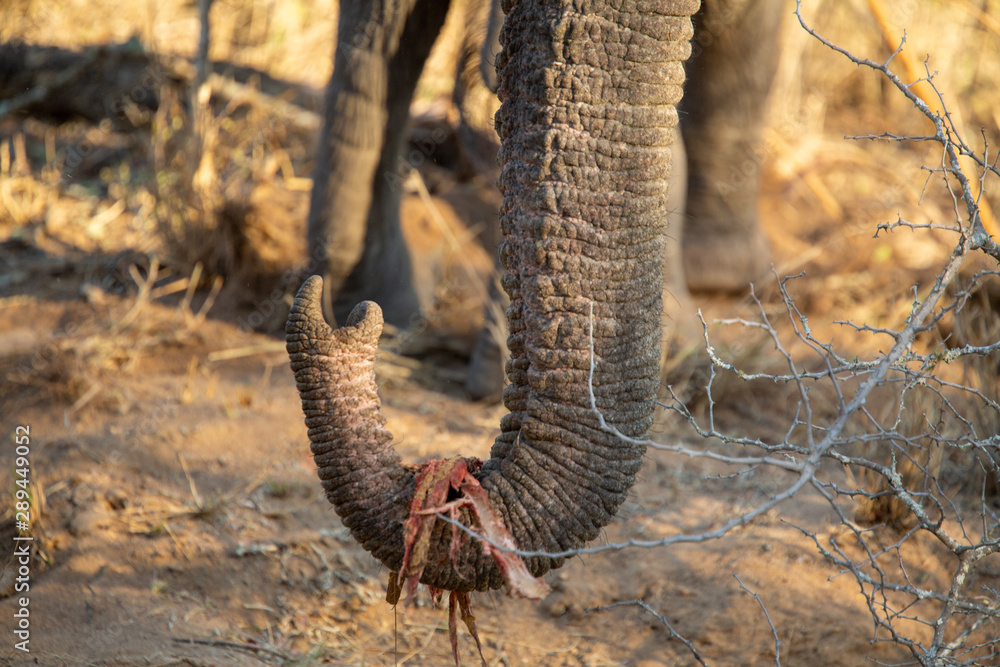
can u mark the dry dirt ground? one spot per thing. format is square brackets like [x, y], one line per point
[175, 509]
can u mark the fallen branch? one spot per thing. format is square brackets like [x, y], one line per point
[253, 648]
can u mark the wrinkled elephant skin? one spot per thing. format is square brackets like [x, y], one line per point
[586, 123]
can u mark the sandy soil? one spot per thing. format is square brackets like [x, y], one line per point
[183, 523]
[190, 511]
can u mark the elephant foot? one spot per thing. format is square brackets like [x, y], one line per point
[726, 261]
[399, 302]
[680, 323]
[484, 378]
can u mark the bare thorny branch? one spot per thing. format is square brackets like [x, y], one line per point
[950, 624]
[641, 604]
[767, 617]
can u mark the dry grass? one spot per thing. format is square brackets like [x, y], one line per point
[228, 196]
[110, 338]
[24, 195]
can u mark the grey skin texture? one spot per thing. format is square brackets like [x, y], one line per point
[353, 226]
[733, 62]
[715, 243]
[586, 121]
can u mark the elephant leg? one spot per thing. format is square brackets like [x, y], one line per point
[485, 376]
[476, 99]
[680, 323]
[477, 102]
[491, 46]
[733, 63]
[354, 234]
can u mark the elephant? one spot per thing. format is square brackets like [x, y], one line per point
[732, 67]
[587, 119]
[714, 240]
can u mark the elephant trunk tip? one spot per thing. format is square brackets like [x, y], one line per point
[311, 289]
[363, 325]
[307, 309]
[366, 314]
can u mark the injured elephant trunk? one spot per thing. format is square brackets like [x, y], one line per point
[587, 119]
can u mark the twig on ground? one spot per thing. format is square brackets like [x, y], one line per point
[659, 617]
[767, 616]
[253, 648]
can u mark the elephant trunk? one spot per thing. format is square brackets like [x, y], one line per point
[586, 123]
[587, 119]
